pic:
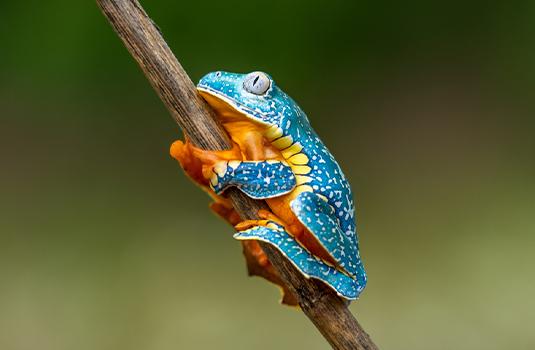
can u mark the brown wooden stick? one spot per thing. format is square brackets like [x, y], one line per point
[142, 38]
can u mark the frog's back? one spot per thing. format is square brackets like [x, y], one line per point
[323, 201]
[329, 181]
[317, 169]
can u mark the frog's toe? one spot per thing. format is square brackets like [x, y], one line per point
[177, 149]
[247, 224]
[192, 166]
[309, 265]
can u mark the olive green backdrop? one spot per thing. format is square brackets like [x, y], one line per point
[428, 106]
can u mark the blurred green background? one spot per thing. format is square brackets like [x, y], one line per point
[104, 244]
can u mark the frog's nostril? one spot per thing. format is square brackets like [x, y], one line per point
[218, 74]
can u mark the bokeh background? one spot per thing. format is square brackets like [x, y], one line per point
[104, 244]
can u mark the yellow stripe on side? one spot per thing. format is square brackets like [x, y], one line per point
[302, 179]
[283, 142]
[300, 189]
[293, 149]
[298, 159]
[301, 169]
[273, 132]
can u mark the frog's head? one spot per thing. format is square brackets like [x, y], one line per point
[254, 96]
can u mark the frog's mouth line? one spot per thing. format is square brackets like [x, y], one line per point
[229, 108]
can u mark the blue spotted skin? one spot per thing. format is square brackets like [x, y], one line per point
[259, 180]
[319, 217]
[323, 199]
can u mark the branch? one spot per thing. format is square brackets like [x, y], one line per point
[142, 38]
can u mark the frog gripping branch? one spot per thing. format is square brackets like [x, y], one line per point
[266, 234]
[278, 157]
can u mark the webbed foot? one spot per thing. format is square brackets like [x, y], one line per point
[199, 163]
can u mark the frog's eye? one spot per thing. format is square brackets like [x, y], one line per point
[256, 83]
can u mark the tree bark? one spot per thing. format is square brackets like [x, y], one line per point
[144, 41]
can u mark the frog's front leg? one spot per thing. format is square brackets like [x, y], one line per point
[257, 179]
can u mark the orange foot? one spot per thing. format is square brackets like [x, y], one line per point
[198, 163]
[267, 215]
[267, 218]
[247, 224]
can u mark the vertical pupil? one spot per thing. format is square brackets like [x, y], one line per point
[255, 80]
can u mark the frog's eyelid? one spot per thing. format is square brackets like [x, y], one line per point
[257, 83]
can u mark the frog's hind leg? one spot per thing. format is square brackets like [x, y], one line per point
[309, 265]
[318, 216]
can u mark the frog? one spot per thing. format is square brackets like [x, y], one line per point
[278, 157]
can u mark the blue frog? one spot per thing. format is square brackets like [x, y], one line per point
[279, 157]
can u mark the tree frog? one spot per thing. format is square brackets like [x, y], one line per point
[278, 157]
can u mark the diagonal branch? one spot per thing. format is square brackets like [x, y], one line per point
[142, 38]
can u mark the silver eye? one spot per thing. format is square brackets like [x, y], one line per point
[256, 83]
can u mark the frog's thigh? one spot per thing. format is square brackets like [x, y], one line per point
[320, 219]
[257, 179]
[306, 263]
